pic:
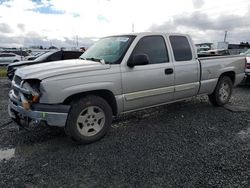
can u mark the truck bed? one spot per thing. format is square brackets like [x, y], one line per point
[212, 67]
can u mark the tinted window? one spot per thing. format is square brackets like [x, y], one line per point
[7, 55]
[17, 52]
[181, 48]
[55, 56]
[154, 47]
[71, 55]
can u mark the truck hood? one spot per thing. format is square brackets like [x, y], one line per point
[56, 68]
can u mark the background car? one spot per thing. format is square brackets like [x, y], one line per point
[24, 54]
[7, 58]
[47, 57]
[216, 52]
[17, 52]
[247, 54]
[35, 54]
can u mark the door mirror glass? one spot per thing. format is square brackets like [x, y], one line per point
[139, 59]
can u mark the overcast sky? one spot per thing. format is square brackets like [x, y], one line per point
[58, 22]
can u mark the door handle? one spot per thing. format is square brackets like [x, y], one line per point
[169, 71]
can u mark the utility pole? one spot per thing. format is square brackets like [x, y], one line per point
[225, 36]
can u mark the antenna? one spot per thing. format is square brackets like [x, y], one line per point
[133, 27]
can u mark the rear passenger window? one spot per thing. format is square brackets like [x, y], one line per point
[181, 48]
[154, 47]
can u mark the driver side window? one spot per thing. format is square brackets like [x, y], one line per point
[154, 47]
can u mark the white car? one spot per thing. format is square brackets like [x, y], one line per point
[247, 54]
[7, 58]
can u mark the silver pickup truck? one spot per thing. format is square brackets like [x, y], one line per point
[119, 74]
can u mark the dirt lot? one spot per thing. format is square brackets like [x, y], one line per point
[188, 144]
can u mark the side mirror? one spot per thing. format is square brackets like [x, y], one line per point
[140, 59]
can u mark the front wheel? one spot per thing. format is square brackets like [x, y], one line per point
[89, 119]
[222, 92]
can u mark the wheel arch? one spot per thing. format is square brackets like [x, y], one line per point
[230, 74]
[105, 94]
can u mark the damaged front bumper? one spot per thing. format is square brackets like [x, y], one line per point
[53, 115]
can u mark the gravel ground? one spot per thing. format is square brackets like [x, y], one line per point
[187, 144]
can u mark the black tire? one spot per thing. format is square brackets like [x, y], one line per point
[218, 99]
[80, 109]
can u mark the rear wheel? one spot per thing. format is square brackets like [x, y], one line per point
[89, 119]
[222, 92]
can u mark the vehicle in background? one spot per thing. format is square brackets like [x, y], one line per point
[22, 53]
[31, 58]
[119, 74]
[216, 52]
[17, 52]
[7, 58]
[35, 54]
[47, 57]
[247, 54]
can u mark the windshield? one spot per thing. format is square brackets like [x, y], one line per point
[109, 50]
[247, 53]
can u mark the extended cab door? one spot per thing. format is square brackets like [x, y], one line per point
[151, 84]
[186, 67]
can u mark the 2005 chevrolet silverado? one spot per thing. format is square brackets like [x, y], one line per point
[119, 74]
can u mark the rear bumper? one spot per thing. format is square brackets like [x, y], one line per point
[53, 115]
